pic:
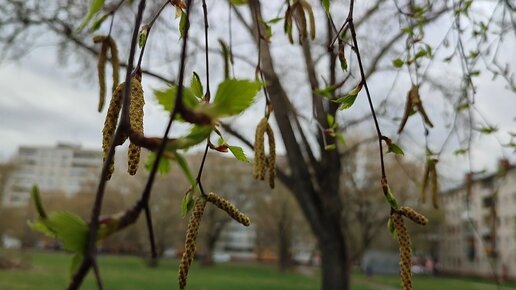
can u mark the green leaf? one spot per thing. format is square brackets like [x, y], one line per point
[391, 199]
[197, 135]
[326, 5]
[392, 147]
[460, 151]
[196, 86]
[238, 2]
[275, 20]
[331, 120]
[187, 203]
[76, 262]
[398, 62]
[95, 6]
[421, 53]
[239, 154]
[346, 101]
[142, 36]
[330, 147]
[487, 130]
[181, 161]
[326, 92]
[391, 227]
[234, 96]
[66, 227]
[37, 202]
[340, 137]
[167, 98]
[96, 25]
[163, 166]
[183, 24]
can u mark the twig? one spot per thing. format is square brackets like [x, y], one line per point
[89, 255]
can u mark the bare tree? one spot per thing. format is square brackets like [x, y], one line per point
[323, 80]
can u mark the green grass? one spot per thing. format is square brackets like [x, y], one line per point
[49, 271]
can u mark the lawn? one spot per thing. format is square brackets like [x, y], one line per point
[49, 271]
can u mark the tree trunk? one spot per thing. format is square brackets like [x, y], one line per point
[334, 265]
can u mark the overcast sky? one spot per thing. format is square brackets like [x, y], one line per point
[42, 103]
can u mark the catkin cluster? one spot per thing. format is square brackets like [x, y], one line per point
[226, 206]
[136, 121]
[107, 43]
[191, 236]
[261, 163]
[405, 251]
[413, 215]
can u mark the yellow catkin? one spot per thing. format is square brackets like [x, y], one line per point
[272, 156]
[136, 121]
[226, 206]
[191, 236]
[259, 166]
[405, 251]
[413, 215]
[110, 124]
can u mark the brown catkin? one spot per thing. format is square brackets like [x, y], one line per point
[434, 186]
[259, 166]
[226, 206]
[405, 251]
[107, 43]
[115, 62]
[413, 215]
[101, 69]
[272, 156]
[136, 121]
[191, 236]
[110, 124]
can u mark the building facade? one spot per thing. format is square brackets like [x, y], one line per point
[64, 168]
[478, 235]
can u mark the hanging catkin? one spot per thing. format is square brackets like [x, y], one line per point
[136, 121]
[261, 163]
[405, 251]
[413, 215]
[226, 206]
[107, 43]
[110, 124]
[191, 236]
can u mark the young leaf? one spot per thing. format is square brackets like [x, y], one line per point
[238, 2]
[76, 262]
[187, 203]
[67, 227]
[95, 6]
[391, 199]
[163, 166]
[181, 161]
[239, 154]
[392, 147]
[326, 5]
[340, 137]
[142, 36]
[330, 147]
[196, 86]
[96, 25]
[326, 92]
[331, 120]
[37, 202]
[183, 24]
[346, 101]
[398, 63]
[197, 135]
[167, 98]
[460, 151]
[234, 96]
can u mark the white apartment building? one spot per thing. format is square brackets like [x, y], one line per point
[64, 168]
[478, 235]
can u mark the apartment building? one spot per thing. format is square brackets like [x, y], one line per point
[478, 235]
[63, 168]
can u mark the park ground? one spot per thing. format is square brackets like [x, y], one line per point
[49, 271]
